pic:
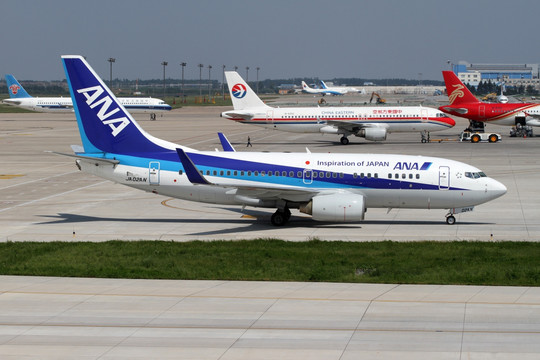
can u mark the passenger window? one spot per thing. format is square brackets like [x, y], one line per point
[180, 172]
[291, 173]
[390, 176]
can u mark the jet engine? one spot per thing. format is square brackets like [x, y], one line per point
[373, 133]
[336, 208]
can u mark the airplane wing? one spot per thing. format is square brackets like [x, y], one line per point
[264, 191]
[351, 126]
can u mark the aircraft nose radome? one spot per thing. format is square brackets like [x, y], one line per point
[496, 189]
[450, 121]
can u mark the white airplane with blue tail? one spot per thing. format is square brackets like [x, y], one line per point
[330, 187]
[18, 96]
[346, 89]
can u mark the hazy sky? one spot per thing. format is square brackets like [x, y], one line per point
[285, 38]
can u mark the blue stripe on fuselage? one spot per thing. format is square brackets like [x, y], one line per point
[169, 161]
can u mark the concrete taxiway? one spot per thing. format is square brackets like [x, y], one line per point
[68, 318]
[44, 197]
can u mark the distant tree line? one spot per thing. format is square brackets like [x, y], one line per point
[488, 87]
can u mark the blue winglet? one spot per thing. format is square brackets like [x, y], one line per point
[225, 143]
[194, 176]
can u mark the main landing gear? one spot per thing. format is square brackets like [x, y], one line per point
[281, 217]
[344, 140]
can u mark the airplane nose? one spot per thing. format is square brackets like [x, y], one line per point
[451, 121]
[495, 189]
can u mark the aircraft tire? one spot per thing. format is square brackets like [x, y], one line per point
[279, 218]
[344, 140]
[450, 220]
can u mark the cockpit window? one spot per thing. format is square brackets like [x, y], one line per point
[475, 175]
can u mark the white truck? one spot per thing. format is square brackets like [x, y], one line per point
[476, 137]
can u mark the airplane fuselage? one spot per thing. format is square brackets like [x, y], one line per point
[387, 181]
[61, 104]
[502, 114]
[317, 119]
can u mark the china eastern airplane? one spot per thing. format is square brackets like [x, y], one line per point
[339, 88]
[371, 123]
[464, 104]
[330, 187]
[19, 97]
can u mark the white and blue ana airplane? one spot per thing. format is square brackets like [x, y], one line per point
[19, 97]
[372, 123]
[330, 187]
[347, 89]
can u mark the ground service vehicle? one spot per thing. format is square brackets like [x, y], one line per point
[476, 137]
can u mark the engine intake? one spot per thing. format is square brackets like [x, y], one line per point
[373, 133]
[336, 208]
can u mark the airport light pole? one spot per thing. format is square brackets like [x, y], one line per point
[164, 63]
[223, 82]
[111, 60]
[209, 83]
[200, 79]
[183, 65]
[247, 73]
[258, 68]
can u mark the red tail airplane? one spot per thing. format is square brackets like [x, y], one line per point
[464, 104]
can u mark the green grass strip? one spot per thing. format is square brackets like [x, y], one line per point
[471, 263]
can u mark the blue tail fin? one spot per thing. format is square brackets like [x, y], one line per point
[323, 85]
[104, 124]
[16, 91]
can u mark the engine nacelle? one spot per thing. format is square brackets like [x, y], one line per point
[373, 133]
[336, 208]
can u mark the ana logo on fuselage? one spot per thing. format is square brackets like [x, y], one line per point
[92, 94]
[411, 166]
[239, 91]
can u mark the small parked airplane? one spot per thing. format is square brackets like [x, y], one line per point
[306, 88]
[342, 88]
[19, 97]
[372, 123]
[330, 187]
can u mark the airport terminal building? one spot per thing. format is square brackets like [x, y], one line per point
[510, 74]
